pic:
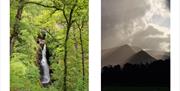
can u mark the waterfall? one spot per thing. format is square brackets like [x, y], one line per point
[45, 78]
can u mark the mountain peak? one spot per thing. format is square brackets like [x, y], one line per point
[142, 52]
[141, 57]
[117, 55]
[126, 45]
[125, 48]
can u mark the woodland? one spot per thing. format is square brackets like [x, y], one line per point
[64, 27]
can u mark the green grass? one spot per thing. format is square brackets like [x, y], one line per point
[115, 88]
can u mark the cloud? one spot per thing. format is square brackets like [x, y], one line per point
[142, 23]
[168, 3]
[149, 31]
[150, 38]
[120, 12]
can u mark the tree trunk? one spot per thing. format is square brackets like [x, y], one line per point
[65, 57]
[15, 31]
[69, 23]
[82, 55]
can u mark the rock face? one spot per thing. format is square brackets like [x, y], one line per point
[129, 54]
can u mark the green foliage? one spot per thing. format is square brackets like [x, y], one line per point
[24, 71]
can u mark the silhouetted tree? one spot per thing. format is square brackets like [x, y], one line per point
[156, 73]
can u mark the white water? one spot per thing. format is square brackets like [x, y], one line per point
[45, 67]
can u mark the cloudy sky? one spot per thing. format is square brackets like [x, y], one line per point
[141, 23]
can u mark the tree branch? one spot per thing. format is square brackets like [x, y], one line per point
[71, 12]
[64, 13]
[43, 5]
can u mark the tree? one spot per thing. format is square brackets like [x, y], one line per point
[80, 24]
[15, 31]
[58, 18]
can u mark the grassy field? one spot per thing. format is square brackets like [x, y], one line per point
[115, 88]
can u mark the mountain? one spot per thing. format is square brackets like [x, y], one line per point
[118, 55]
[141, 57]
[136, 49]
[130, 54]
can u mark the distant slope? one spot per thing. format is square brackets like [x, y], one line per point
[118, 55]
[158, 54]
[141, 57]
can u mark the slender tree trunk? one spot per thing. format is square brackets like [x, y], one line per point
[65, 58]
[82, 55]
[15, 31]
[69, 23]
[80, 27]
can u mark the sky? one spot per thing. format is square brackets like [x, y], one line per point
[141, 23]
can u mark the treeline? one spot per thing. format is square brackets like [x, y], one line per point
[154, 74]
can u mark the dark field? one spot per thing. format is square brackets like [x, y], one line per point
[116, 88]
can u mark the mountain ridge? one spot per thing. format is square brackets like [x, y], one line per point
[129, 54]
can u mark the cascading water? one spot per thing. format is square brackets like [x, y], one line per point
[45, 77]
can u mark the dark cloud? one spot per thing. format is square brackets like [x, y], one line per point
[122, 23]
[120, 12]
[168, 3]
